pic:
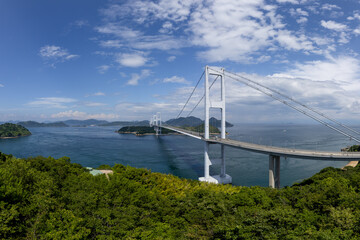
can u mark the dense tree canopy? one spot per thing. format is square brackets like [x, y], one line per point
[47, 198]
[13, 130]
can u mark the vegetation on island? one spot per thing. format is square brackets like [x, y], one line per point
[37, 124]
[200, 128]
[353, 148]
[194, 121]
[10, 130]
[126, 123]
[47, 198]
[142, 130]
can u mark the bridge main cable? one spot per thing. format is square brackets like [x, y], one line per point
[294, 107]
[191, 94]
[295, 101]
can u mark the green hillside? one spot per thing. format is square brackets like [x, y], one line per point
[47, 198]
[141, 130]
[13, 130]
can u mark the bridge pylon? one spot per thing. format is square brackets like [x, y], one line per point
[155, 122]
[222, 178]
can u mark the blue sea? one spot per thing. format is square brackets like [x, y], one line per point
[181, 155]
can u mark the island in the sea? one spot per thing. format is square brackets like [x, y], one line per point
[142, 130]
[10, 130]
[146, 130]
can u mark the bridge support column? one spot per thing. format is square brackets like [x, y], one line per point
[223, 177]
[274, 171]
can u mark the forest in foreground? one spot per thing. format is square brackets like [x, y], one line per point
[47, 198]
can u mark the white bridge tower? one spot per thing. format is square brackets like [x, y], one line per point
[155, 122]
[210, 103]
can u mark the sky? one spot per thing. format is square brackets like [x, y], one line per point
[127, 60]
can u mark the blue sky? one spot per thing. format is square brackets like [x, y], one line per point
[126, 60]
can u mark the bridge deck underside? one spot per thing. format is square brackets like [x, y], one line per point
[270, 150]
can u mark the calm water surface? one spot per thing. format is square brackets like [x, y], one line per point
[181, 155]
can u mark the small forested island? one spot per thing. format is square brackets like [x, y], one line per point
[10, 130]
[142, 130]
[47, 198]
[353, 148]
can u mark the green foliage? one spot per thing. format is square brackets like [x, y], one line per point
[200, 128]
[13, 130]
[47, 198]
[354, 148]
[141, 130]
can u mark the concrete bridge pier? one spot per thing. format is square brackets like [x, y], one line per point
[274, 171]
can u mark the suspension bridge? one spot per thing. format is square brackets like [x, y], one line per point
[274, 153]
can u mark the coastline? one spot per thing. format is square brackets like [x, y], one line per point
[14, 137]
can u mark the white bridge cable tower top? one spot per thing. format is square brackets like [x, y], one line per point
[252, 83]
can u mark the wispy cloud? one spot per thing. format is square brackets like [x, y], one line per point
[1, 85]
[94, 104]
[176, 79]
[55, 54]
[52, 102]
[83, 115]
[103, 68]
[96, 94]
[135, 77]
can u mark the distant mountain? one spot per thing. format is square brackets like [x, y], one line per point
[37, 124]
[87, 122]
[185, 122]
[217, 123]
[194, 121]
[126, 123]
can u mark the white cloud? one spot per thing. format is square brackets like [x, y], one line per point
[94, 104]
[357, 31]
[329, 7]
[333, 25]
[136, 39]
[52, 102]
[135, 78]
[111, 44]
[131, 59]
[176, 79]
[1, 85]
[288, 1]
[55, 54]
[103, 68]
[171, 58]
[98, 94]
[82, 115]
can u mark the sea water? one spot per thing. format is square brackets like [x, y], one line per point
[181, 155]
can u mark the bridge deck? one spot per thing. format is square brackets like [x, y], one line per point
[270, 150]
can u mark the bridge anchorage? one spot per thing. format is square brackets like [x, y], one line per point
[274, 153]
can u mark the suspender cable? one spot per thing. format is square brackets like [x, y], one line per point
[191, 94]
[295, 108]
[202, 97]
[295, 101]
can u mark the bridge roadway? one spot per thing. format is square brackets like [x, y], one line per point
[273, 151]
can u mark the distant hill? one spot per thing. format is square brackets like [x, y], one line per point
[142, 130]
[87, 122]
[37, 124]
[185, 122]
[126, 123]
[194, 121]
[10, 130]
